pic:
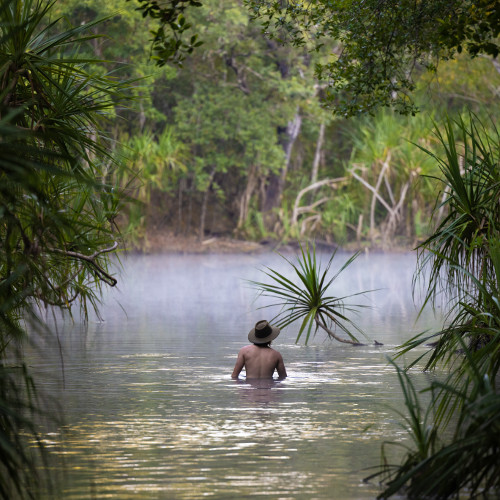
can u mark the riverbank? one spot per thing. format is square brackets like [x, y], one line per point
[168, 242]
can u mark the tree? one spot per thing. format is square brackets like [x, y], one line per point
[156, 165]
[387, 167]
[254, 106]
[57, 209]
[121, 41]
[382, 45]
[233, 116]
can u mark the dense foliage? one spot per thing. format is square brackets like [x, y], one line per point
[168, 43]
[260, 180]
[249, 149]
[57, 210]
[382, 45]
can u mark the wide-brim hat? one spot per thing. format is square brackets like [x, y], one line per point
[263, 333]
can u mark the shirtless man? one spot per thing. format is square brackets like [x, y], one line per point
[259, 359]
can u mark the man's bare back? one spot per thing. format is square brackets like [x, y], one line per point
[259, 362]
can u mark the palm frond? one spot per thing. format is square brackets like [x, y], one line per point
[463, 256]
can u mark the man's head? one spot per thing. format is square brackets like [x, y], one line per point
[263, 333]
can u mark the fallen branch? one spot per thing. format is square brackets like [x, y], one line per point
[372, 189]
[394, 212]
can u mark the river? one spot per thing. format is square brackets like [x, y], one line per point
[150, 410]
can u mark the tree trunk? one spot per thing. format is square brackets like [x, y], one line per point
[297, 209]
[204, 204]
[385, 165]
[276, 182]
[244, 204]
[182, 183]
[394, 216]
[359, 229]
[496, 64]
[393, 212]
[190, 210]
[317, 154]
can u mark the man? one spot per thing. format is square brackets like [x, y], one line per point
[259, 359]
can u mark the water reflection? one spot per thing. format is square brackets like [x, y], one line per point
[151, 410]
[258, 393]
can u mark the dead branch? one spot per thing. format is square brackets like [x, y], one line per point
[298, 210]
[369, 186]
[395, 213]
[389, 190]
[312, 206]
[317, 154]
[312, 218]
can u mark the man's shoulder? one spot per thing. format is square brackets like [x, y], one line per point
[275, 353]
[252, 348]
[246, 348]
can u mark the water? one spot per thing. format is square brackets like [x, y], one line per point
[151, 412]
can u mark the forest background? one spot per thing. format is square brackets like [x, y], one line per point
[236, 142]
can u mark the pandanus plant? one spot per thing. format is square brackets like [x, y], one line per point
[310, 300]
[462, 440]
[467, 218]
[57, 210]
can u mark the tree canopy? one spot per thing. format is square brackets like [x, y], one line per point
[168, 42]
[381, 45]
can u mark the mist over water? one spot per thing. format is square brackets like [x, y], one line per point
[150, 408]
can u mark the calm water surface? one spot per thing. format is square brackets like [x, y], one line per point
[151, 411]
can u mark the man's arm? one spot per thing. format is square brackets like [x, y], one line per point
[281, 367]
[240, 363]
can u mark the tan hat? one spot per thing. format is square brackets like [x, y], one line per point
[263, 333]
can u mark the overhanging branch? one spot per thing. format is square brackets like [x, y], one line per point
[91, 259]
